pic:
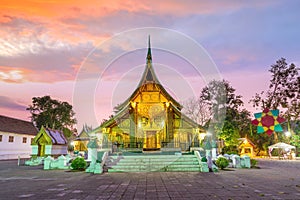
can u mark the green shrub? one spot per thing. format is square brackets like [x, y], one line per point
[222, 162]
[253, 162]
[78, 164]
[203, 159]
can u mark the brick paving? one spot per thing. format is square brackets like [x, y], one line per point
[274, 180]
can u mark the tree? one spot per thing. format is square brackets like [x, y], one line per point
[226, 116]
[283, 91]
[52, 113]
[221, 98]
[198, 110]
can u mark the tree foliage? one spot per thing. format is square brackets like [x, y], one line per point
[222, 162]
[198, 110]
[219, 110]
[225, 108]
[52, 113]
[283, 91]
[78, 164]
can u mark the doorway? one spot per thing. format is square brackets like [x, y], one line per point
[41, 150]
[151, 141]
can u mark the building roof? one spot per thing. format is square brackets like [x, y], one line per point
[244, 141]
[149, 76]
[57, 136]
[50, 136]
[12, 125]
[85, 131]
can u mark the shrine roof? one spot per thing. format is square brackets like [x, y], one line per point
[56, 136]
[243, 141]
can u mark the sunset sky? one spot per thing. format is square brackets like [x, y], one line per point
[46, 46]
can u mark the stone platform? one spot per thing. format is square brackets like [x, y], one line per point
[274, 180]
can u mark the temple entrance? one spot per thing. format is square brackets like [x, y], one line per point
[151, 142]
[41, 150]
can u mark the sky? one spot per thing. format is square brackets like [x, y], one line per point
[92, 53]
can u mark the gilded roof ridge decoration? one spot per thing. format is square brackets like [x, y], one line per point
[149, 76]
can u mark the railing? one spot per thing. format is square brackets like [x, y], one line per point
[185, 146]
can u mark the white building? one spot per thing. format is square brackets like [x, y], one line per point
[15, 138]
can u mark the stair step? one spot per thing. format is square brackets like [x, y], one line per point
[157, 163]
[153, 156]
[148, 163]
[157, 170]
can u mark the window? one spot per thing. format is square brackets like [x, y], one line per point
[0, 138]
[11, 139]
[31, 140]
[24, 139]
[247, 150]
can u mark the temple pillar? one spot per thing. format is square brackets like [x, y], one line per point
[132, 129]
[170, 129]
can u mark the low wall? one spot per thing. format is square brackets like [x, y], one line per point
[15, 155]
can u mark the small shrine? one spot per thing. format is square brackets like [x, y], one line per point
[246, 147]
[81, 141]
[49, 142]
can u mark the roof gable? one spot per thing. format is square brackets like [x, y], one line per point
[246, 141]
[148, 77]
[50, 136]
[85, 131]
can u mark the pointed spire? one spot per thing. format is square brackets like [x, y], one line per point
[149, 56]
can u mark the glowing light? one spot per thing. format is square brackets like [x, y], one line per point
[133, 104]
[167, 104]
[288, 134]
[202, 136]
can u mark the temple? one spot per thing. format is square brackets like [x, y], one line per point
[151, 119]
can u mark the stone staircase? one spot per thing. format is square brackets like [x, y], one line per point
[152, 163]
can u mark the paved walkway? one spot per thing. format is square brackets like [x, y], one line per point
[274, 180]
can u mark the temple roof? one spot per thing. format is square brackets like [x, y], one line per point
[84, 134]
[85, 131]
[149, 76]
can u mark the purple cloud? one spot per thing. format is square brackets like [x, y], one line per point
[8, 103]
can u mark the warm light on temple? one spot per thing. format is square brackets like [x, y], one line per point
[133, 104]
[167, 104]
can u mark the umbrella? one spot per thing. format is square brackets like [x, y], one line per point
[279, 146]
[282, 145]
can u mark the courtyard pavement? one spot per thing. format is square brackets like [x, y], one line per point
[274, 180]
